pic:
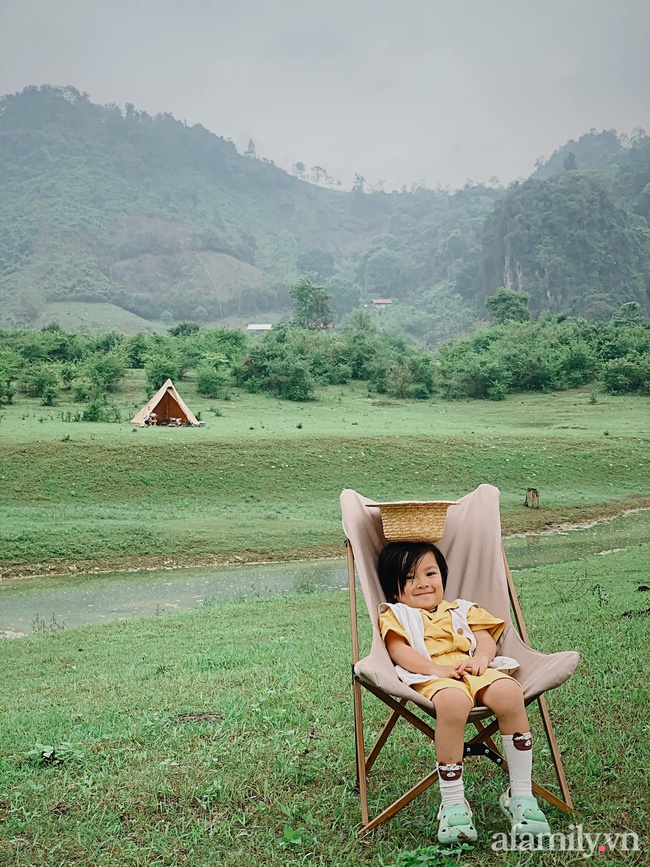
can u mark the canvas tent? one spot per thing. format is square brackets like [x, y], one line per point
[168, 406]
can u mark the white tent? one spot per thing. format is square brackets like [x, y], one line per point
[168, 407]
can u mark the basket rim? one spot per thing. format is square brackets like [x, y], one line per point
[413, 503]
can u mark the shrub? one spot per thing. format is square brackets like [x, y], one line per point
[418, 391]
[41, 380]
[162, 363]
[101, 412]
[628, 374]
[212, 381]
[106, 371]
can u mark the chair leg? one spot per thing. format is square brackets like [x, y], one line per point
[400, 803]
[567, 804]
[360, 751]
[383, 737]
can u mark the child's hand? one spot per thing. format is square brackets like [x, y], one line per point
[475, 665]
[445, 671]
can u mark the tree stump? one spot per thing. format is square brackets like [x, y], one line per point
[532, 498]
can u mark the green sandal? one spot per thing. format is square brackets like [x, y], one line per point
[524, 814]
[456, 824]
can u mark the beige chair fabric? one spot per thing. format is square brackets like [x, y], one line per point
[473, 549]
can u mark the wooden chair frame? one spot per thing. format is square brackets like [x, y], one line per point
[480, 744]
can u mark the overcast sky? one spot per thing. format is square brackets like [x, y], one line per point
[397, 90]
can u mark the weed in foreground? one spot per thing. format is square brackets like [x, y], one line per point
[432, 856]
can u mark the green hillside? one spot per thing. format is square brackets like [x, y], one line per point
[103, 205]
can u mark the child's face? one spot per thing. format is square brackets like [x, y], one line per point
[424, 589]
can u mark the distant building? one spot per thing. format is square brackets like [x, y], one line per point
[381, 303]
[258, 329]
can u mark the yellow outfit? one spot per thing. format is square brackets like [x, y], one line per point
[448, 647]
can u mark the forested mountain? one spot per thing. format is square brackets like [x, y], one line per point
[109, 206]
[593, 150]
[569, 243]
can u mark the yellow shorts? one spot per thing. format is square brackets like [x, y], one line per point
[470, 684]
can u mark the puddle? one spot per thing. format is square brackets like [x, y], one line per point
[50, 603]
[45, 603]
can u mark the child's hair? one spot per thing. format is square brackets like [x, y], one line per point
[398, 560]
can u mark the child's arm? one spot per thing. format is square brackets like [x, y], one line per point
[484, 653]
[403, 654]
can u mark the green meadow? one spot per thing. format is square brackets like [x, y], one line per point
[224, 736]
[262, 479]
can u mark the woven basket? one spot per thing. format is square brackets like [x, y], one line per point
[412, 521]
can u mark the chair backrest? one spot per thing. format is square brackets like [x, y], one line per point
[471, 545]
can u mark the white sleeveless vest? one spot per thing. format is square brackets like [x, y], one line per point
[412, 623]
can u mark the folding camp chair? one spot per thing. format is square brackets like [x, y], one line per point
[478, 570]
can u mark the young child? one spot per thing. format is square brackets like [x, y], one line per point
[457, 646]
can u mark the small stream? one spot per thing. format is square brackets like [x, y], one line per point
[32, 604]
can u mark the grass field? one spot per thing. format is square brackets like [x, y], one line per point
[262, 480]
[225, 736]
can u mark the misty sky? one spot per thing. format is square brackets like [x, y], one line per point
[396, 90]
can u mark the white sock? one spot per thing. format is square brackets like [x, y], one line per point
[452, 788]
[520, 762]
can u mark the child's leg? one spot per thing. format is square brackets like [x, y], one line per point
[452, 709]
[506, 699]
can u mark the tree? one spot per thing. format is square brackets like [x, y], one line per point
[311, 305]
[201, 314]
[381, 272]
[213, 377]
[136, 349]
[628, 314]
[344, 295]
[570, 163]
[41, 380]
[508, 306]
[320, 175]
[319, 263]
[9, 368]
[359, 183]
[184, 329]
[162, 363]
[106, 371]
[280, 364]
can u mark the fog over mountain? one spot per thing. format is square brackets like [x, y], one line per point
[424, 90]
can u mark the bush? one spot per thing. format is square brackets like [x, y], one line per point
[507, 305]
[41, 380]
[101, 412]
[162, 364]
[497, 391]
[419, 391]
[106, 371]
[290, 379]
[212, 381]
[7, 389]
[82, 391]
[628, 374]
